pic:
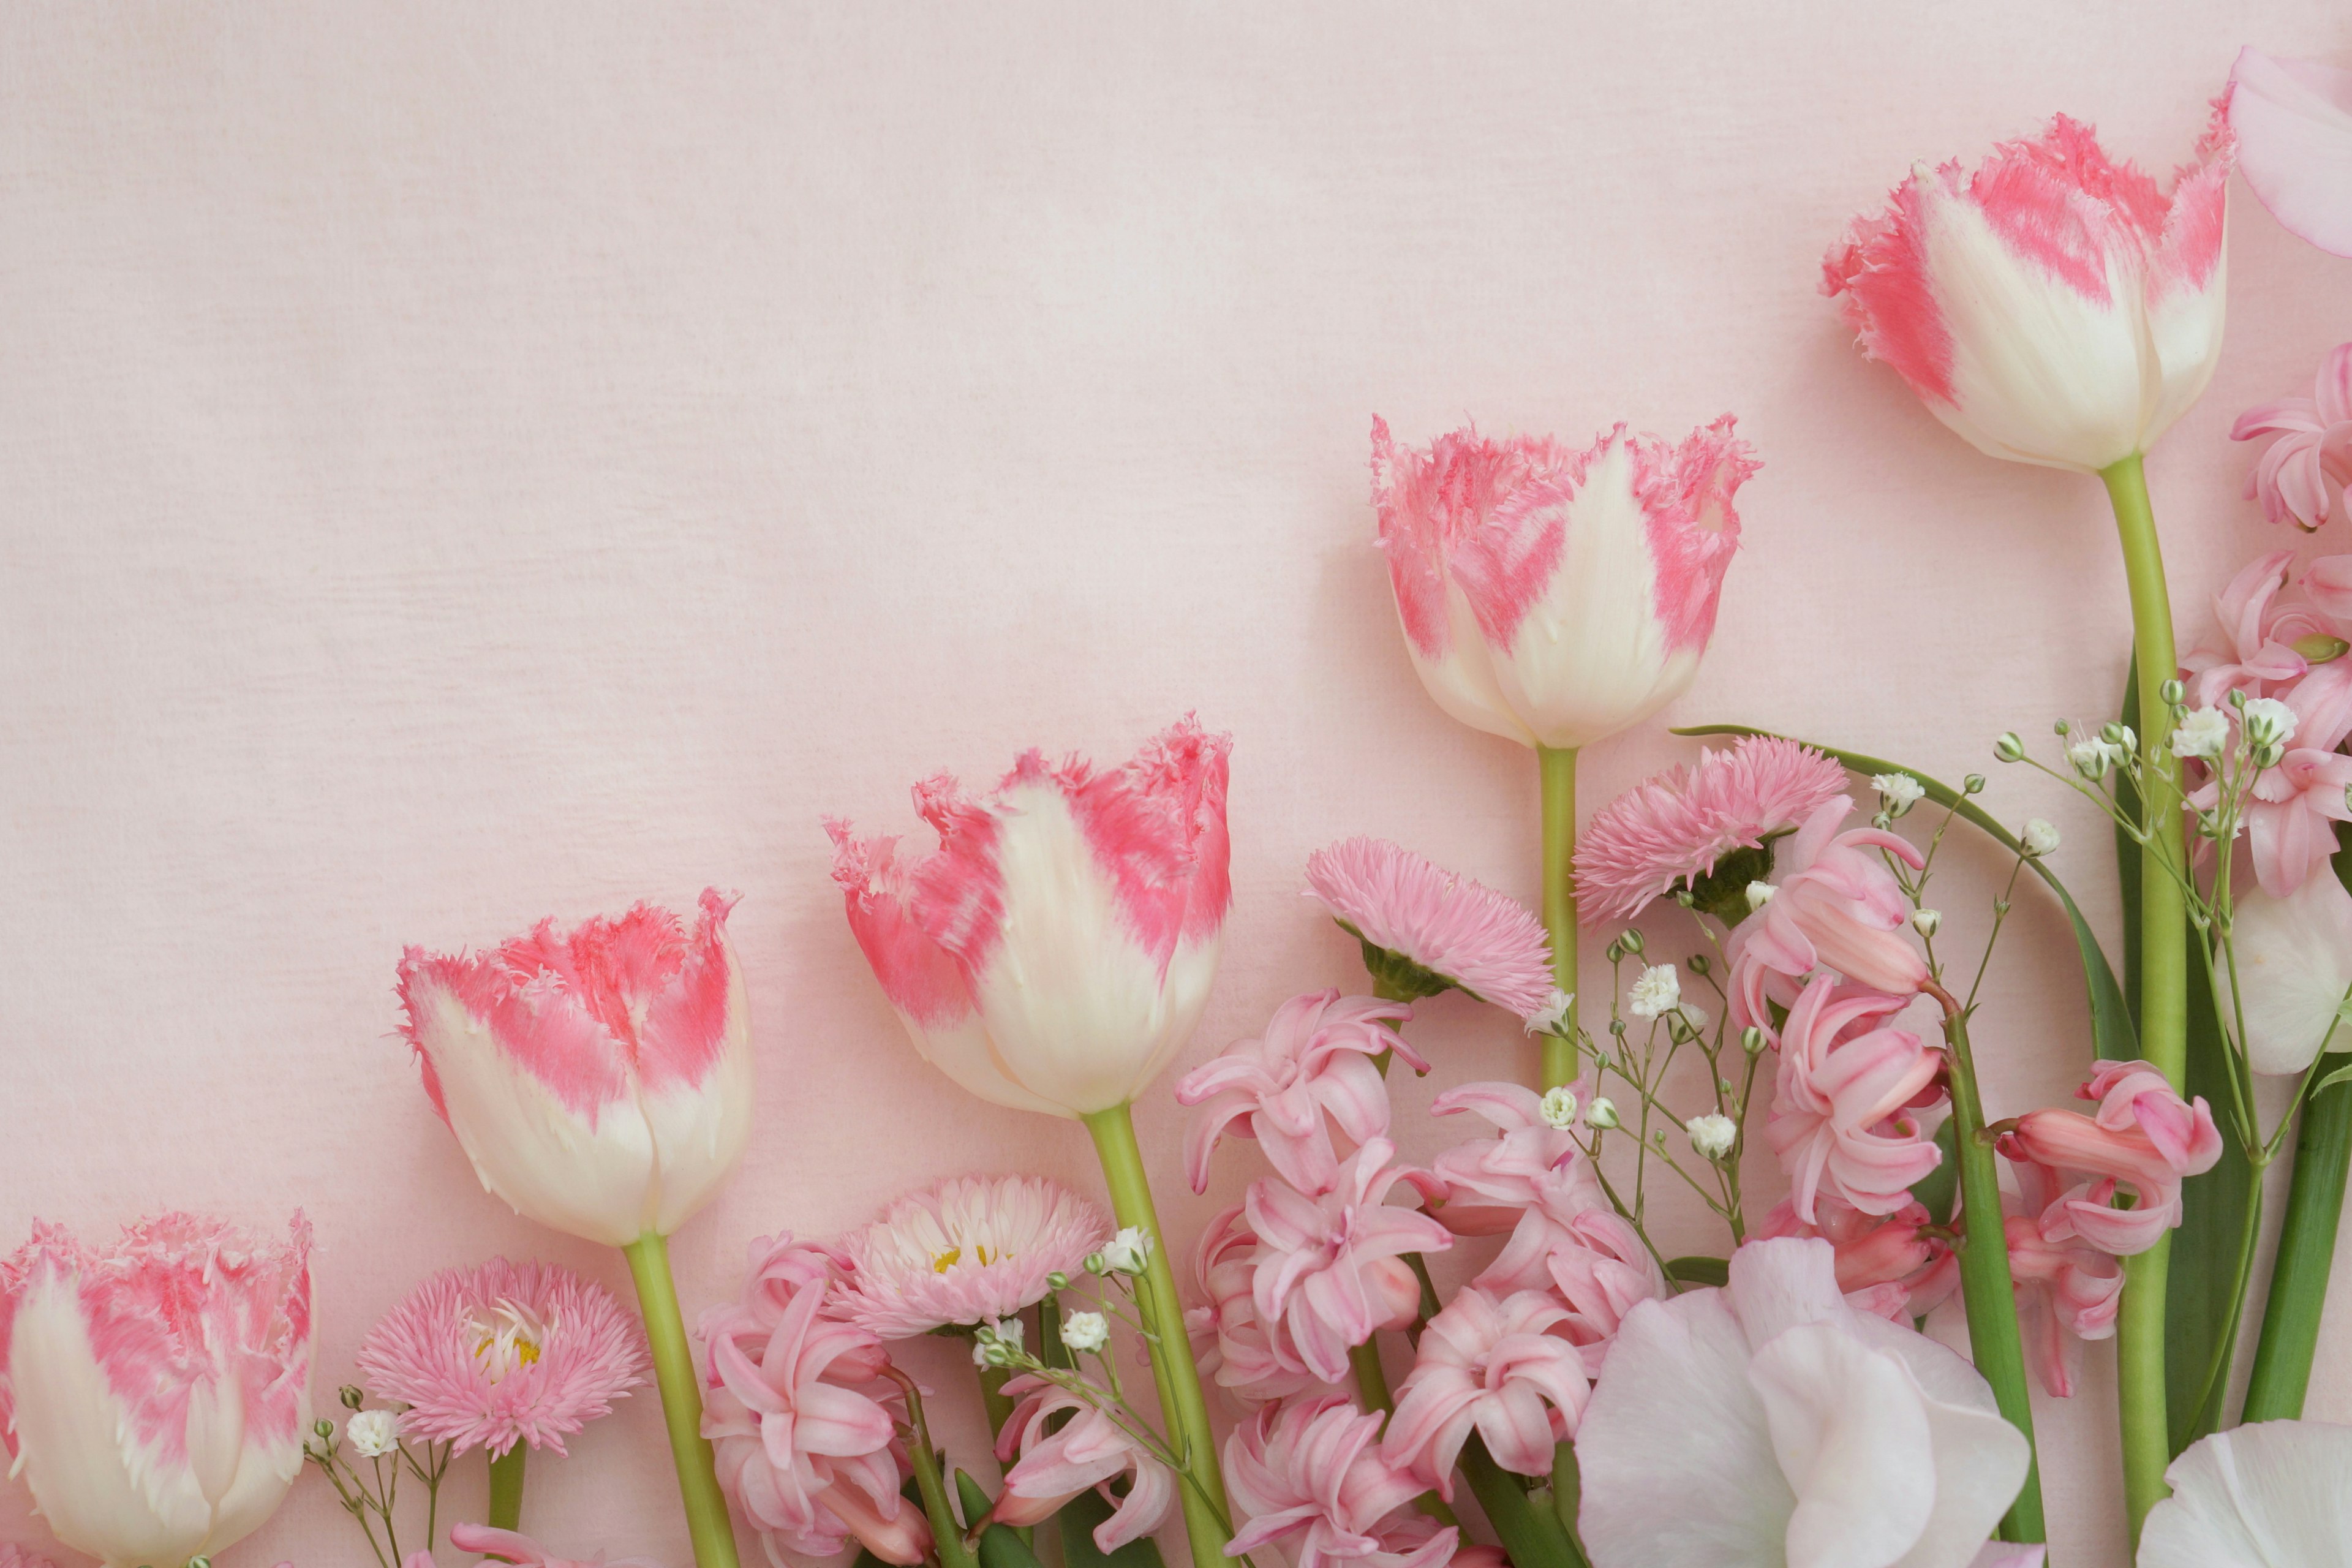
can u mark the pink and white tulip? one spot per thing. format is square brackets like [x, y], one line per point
[1495, 1366]
[2291, 964]
[155, 1395]
[1330, 1268]
[1553, 597]
[1049, 1466]
[1310, 1473]
[2067, 1289]
[1837, 907]
[1244, 1353]
[2052, 307]
[514, 1547]
[2293, 124]
[2269, 1494]
[1839, 1120]
[600, 1078]
[1314, 1061]
[1769, 1422]
[2143, 1136]
[1054, 951]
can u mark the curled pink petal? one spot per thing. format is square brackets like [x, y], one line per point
[1329, 1266]
[1314, 1062]
[1497, 1366]
[1837, 907]
[1310, 1473]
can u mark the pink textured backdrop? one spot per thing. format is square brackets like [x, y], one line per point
[462, 464]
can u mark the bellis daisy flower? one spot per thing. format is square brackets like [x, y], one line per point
[1425, 930]
[969, 1250]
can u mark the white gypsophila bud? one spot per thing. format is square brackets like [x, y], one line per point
[2172, 691]
[1551, 1018]
[1601, 1112]
[2201, 732]
[1927, 922]
[1559, 1108]
[2041, 838]
[1712, 1135]
[2010, 747]
[998, 1344]
[374, 1433]
[1758, 895]
[1656, 992]
[1693, 1015]
[1126, 1252]
[2268, 723]
[1632, 940]
[1753, 1040]
[1901, 792]
[1086, 1331]
[2092, 758]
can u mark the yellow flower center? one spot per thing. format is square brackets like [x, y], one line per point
[506, 1338]
[946, 1261]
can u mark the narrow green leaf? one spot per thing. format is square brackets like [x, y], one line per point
[1699, 1270]
[1079, 1518]
[2341, 1075]
[999, 1545]
[1940, 1187]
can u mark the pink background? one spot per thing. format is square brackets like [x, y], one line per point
[463, 464]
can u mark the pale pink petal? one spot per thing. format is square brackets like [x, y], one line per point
[2293, 121]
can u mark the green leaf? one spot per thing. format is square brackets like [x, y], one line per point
[1939, 1187]
[2341, 1075]
[2111, 1019]
[999, 1545]
[1079, 1518]
[1699, 1270]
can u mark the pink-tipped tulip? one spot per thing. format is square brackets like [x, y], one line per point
[156, 1394]
[1057, 949]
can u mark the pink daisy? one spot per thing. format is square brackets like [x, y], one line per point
[1703, 824]
[969, 1250]
[504, 1354]
[2313, 445]
[1425, 930]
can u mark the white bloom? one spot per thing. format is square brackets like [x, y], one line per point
[2093, 758]
[2041, 838]
[374, 1433]
[1692, 1014]
[1558, 1108]
[1088, 1331]
[1901, 792]
[1126, 1252]
[1712, 1135]
[2294, 963]
[2269, 721]
[2201, 732]
[997, 1343]
[2271, 1495]
[1601, 1112]
[1659, 991]
[1759, 894]
[1926, 922]
[1553, 1016]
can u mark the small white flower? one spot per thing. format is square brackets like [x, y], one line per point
[1927, 922]
[1559, 1108]
[997, 1343]
[1901, 792]
[2201, 732]
[2268, 723]
[1553, 1016]
[374, 1434]
[1086, 1331]
[1658, 992]
[1712, 1135]
[1601, 1112]
[1758, 895]
[2041, 838]
[2094, 757]
[1126, 1252]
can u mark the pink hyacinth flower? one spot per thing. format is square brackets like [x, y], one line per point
[600, 1078]
[2067, 1289]
[1494, 1366]
[503, 1353]
[1887, 1265]
[1838, 907]
[15, 1556]
[2311, 446]
[2143, 1136]
[1050, 1465]
[969, 1250]
[1554, 596]
[1838, 1121]
[2053, 307]
[1488, 1184]
[2253, 645]
[1310, 1473]
[1329, 1267]
[155, 1395]
[512, 1546]
[1673, 829]
[1248, 1356]
[1424, 929]
[1314, 1060]
[1057, 949]
[801, 1415]
[2294, 122]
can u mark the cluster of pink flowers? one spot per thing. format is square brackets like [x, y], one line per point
[2312, 446]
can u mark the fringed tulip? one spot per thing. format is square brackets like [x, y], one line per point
[599, 1079]
[1330, 1268]
[2271, 1494]
[1054, 951]
[1494, 1366]
[2143, 1136]
[1555, 596]
[1769, 1422]
[155, 1395]
[2289, 977]
[1314, 1061]
[1839, 1119]
[2293, 123]
[2053, 307]
[1310, 1473]
[1838, 907]
[1049, 1465]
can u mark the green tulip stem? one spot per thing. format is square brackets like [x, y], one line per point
[698, 1479]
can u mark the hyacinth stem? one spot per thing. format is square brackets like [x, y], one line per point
[2163, 985]
[697, 1478]
[1532, 1537]
[1986, 1286]
[1181, 1402]
[1557, 766]
[2306, 1254]
[506, 1488]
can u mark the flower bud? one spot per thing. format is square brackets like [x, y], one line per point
[1086, 1331]
[1630, 939]
[1058, 1281]
[1126, 1252]
[351, 1397]
[1752, 1039]
[2061, 727]
[1926, 921]
[1698, 963]
[1602, 1113]
[1558, 1108]
[2172, 691]
[2041, 838]
[1614, 952]
[2009, 748]
[1712, 1135]
[1758, 895]
[1973, 785]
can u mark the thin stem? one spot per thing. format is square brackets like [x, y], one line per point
[2306, 1253]
[698, 1479]
[1183, 1406]
[1532, 1537]
[1557, 766]
[1986, 1284]
[506, 1488]
[946, 1533]
[1371, 1378]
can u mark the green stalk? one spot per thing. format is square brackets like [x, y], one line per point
[1986, 1284]
[1181, 1402]
[697, 1480]
[2164, 985]
[2307, 1251]
[1532, 1537]
[1558, 767]
[506, 1488]
[995, 1400]
[1371, 1378]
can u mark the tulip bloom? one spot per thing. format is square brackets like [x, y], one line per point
[600, 1080]
[155, 1395]
[2293, 123]
[2053, 307]
[1551, 596]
